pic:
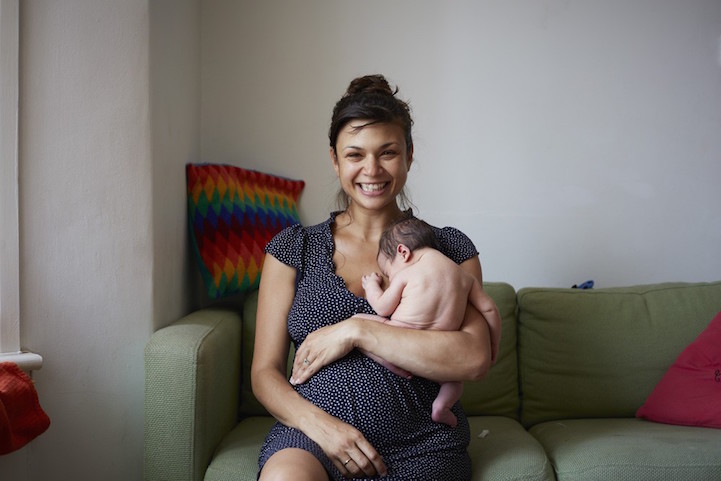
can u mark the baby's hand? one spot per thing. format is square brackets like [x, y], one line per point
[374, 278]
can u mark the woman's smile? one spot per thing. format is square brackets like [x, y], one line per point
[373, 188]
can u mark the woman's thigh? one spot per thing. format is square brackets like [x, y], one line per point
[293, 463]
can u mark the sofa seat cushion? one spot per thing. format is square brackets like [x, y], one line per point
[633, 449]
[506, 452]
[236, 458]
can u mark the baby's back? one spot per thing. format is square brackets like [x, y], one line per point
[436, 293]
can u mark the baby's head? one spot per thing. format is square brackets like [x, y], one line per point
[405, 235]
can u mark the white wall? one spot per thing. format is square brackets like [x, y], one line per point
[109, 115]
[570, 140]
[175, 114]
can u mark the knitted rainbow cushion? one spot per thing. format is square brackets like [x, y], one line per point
[232, 214]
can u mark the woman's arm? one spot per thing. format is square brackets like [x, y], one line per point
[463, 355]
[338, 440]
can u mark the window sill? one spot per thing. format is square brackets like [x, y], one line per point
[27, 361]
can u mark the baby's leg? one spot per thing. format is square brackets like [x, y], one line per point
[391, 367]
[449, 393]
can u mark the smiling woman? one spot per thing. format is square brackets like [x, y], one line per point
[342, 415]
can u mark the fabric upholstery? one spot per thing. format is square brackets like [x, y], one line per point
[192, 375]
[237, 456]
[690, 392]
[192, 430]
[497, 393]
[630, 449]
[600, 352]
[506, 452]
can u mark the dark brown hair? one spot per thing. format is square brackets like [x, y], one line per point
[410, 231]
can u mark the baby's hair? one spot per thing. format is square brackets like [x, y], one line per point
[411, 232]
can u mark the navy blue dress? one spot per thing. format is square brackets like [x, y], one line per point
[393, 413]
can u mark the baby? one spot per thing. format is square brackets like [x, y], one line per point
[426, 290]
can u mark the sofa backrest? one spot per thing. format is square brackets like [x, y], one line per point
[497, 394]
[600, 352]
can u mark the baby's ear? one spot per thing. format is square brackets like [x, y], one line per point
[403, 251]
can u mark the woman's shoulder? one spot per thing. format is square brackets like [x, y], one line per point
[287, 245]
[455, 244]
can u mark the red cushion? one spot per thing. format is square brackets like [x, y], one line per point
[690, 391]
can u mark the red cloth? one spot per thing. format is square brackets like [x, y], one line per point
[690, 391]
[21, 417]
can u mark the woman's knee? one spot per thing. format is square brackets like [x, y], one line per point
[293, 464]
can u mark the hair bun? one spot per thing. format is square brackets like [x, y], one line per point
[375, 84]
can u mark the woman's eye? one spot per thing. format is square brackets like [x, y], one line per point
[389, 153]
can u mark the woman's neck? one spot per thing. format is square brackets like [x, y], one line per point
[367, 225]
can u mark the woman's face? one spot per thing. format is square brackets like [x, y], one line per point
[372, 163]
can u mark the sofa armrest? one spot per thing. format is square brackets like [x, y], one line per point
[192, 381]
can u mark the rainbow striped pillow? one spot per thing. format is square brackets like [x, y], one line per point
[232, 214]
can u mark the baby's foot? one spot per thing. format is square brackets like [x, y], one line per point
[445, 416]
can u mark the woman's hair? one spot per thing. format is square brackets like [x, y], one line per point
[370, 98]
[411, 232]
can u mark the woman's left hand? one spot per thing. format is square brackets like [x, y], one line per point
[320, 348]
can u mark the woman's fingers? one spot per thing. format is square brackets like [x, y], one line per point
[360, 463]
[320, 348]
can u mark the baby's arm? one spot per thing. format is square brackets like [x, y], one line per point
[384, 303]
[484, 303]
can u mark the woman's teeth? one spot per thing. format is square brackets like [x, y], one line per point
[372, 187]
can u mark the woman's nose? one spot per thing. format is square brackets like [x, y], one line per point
[372, 165]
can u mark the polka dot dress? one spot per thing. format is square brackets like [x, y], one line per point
[393, 413]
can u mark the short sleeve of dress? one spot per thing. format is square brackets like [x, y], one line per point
[455, 244]
[287, 246]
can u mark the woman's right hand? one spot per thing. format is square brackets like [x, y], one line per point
[349, 450]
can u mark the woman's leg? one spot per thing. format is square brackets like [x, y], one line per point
[293, 464]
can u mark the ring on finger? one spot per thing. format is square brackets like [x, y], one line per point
[348, 461]
[306, 361]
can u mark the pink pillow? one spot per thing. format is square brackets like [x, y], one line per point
[690, 391]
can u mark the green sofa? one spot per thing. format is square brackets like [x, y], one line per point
[574, 367]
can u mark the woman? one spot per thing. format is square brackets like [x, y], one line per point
[342, 415]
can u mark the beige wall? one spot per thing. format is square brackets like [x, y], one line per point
[570, 140]
[108, 117]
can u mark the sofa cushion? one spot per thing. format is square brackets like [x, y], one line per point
[602, 449]
[497, 393]
[502, 450]
[690, 392]
[236, 459]
[600, 352]
[232, 214]
[506, 453]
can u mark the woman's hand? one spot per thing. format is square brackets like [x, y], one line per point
[349, 450]
[322, 347]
